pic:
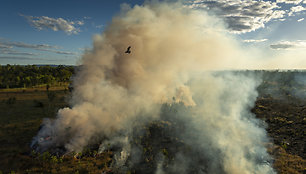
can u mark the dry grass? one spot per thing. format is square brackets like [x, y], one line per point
[19, 123]
[286, 163]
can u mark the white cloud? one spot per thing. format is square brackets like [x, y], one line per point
[242, 16]
[25, 58]
[296, 9]
[39, 47]
[300, 20]
[3, 46]
[289, 1]
[15, 52]
[64, 52]
[59, 52]
[80, 22]
[25, 45]
[289, 45]
[99, 26]
[16, 58]
[255, 40]
[55, 24]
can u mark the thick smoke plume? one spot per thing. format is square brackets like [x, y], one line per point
[173, 50]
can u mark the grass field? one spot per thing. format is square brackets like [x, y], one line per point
[19, 122]
[22, 112]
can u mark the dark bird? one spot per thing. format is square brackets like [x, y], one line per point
[128, 51]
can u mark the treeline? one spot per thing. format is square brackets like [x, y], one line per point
[18, 76]
[275, 77]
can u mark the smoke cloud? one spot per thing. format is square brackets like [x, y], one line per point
[173, 51]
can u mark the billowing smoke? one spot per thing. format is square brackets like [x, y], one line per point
[173, 51]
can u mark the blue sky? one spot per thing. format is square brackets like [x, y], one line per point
[56, 32]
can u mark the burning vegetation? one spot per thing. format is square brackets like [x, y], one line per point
[164, 107]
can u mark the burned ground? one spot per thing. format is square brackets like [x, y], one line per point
[286, 125]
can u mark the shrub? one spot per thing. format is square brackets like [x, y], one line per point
[46, 156]
[54, 159]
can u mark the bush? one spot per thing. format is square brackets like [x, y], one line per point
[54, 159]
[46, 156]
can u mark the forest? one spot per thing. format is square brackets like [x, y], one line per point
[19, 76]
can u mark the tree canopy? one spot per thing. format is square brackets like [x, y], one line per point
[18, 76]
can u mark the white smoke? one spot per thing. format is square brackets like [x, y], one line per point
[169, 45]
[225, 124]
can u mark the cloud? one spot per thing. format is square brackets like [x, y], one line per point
[14, 52]
[255, 40]
[3, 46]
[59, 52]
[55, 24]
[241, 16]
[99, 26]
[80, 22]
[87, 17]
[39, 47]
[296, 9]
[289, 1]
[24, 58]
[17, 58]
[25, 45]
[300, 20]
[289, 45]
[64, 52]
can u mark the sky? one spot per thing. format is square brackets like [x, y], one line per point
[57, 31]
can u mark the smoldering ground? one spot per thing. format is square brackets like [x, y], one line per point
[159, 108]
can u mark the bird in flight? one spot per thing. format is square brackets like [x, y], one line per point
[128, 51]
